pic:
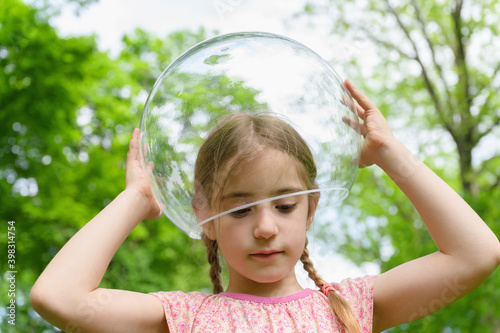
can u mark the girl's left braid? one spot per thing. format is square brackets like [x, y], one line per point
[215, 267]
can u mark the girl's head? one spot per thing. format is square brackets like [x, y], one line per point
[242, 137]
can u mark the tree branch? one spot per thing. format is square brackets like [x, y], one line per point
[485, 107]
[460, 60]
[479, 136]
[432, 49]
[382, 42]
[484, 86]
[430, 87]
[493, 92]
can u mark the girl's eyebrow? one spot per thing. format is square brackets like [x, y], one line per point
[286, 190]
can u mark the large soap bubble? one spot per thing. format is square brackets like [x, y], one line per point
[248, 72]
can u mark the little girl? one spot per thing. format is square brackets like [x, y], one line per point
[244, 159]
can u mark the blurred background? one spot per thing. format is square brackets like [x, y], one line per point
[74, 76]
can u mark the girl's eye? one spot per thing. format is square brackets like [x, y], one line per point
[286, 208]
[241, 213]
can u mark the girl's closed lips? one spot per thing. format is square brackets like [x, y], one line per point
[266, 254]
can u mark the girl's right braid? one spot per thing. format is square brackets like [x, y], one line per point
[338, 304]
[215, 267]
[308, 266]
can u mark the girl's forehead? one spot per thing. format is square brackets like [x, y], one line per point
[269, 174]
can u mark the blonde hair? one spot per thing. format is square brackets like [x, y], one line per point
[239, 137]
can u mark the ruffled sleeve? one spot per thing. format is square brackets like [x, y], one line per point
[359, 294]
[181, 308]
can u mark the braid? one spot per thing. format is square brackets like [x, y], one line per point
[215, 267]
[308, 266]
[338, 304]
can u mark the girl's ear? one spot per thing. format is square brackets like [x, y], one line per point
[313, 204]
[202, 212]
[208, 227]
[209, 230]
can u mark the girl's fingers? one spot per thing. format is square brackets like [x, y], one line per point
[353, 105]
[361, 98]
[360, 111]
[149, 169]
[348, 102]
[133, 148]
[354, 124]
[145, 149]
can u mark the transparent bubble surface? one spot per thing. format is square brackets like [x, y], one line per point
[248, 72]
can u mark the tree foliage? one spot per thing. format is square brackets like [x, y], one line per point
[67, 111]
[435, 75]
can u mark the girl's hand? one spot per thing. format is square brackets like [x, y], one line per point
[375, 129]
[136, 180]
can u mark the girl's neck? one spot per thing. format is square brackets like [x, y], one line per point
[284, 287]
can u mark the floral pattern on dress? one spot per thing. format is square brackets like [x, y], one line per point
[306, 311]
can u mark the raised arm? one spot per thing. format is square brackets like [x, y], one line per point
[67, 295]
[468, 250]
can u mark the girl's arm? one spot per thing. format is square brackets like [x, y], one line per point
[468, 250]
[67, 295]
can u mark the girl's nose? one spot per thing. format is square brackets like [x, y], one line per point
[265, 225]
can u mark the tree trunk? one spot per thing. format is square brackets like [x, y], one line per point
[464, 147]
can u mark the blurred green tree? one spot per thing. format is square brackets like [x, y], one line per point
[433, 71]
[66, 114]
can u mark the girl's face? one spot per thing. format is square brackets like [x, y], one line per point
[262, 243]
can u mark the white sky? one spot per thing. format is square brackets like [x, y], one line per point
[111, 19]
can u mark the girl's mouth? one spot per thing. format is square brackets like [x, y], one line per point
[266, 254]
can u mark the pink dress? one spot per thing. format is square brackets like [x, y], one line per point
[305, 311]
